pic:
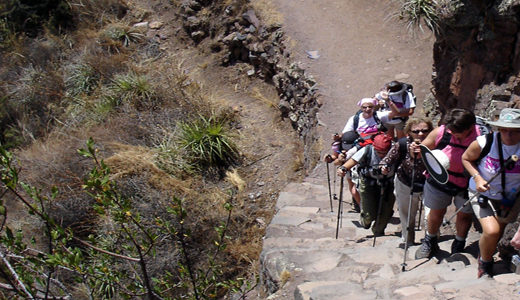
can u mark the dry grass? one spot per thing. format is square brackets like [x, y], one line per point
[234, 178]
[269, 101]
[267, 12]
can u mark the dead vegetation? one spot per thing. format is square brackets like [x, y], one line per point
[106, 80]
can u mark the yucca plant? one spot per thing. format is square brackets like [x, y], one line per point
[208, 142]
[124, 34]
[81, 78]
[418, 12]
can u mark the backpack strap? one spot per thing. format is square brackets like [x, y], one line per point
[356, 120]
[403, 143]
[445, 141]
[376, 118]
[487, 147]
[364, 162]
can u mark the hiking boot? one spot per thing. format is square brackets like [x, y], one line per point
[457, 246]
[485, 268]
[362, 222]
[354, 206]
[428, 248]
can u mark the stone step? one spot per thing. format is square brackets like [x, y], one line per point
[302, 259]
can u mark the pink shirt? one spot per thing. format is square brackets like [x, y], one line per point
[455, 154]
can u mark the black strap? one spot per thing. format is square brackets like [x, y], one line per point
[356, 119]
[374, 115]
[501, 157]
[403, 145]
[487, 147]
[445, 141]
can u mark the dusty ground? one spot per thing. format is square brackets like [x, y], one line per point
[361, 49]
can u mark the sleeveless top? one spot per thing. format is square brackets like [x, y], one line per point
[490, 165]
[455, 154]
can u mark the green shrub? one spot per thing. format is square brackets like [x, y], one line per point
[30, 16]
[124, 34]
[208, 142]
[81, 78]
[417, 12]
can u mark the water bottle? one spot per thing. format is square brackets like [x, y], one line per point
[336, 145]
[515, 264]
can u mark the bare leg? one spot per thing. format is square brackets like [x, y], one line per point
[492, 232]
[435, 218]
[353, 190]
[463, 224]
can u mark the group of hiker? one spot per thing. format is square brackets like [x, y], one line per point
[389, 156]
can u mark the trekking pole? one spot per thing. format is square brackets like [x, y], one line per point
[409, 212]
[330, 193]
[334, 196]
[382, 184]
[340, 205]
[507, 165]
[420, 215]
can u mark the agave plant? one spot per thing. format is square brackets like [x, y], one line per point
[208, 142]
[418, 12]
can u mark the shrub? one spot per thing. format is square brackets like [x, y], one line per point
[81, 78]
[415, 12]
[30, 16]
[208, 142]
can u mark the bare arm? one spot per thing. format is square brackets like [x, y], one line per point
[406, 113]
[348, 165]
[394, 111]
[469, 159]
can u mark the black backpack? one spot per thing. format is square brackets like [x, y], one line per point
[446, 137]
[484, 129]
[380, 126]
[407, 87]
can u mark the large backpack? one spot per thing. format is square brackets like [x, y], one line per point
[380, 126]
[484, 129]
[407, 88]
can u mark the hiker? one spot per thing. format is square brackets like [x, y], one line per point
[401, 94]
[357, 133]
[452, 138]
[496, 205]
[416, 128]
[372, 181]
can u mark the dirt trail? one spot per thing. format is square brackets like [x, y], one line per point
[360, 51]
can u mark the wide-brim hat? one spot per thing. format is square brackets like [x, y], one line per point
[509, 118]
[437, 163]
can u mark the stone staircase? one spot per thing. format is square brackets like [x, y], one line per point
[302, 259]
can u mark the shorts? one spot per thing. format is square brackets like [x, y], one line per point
[398, 125]
[437, 199]
[491, 209]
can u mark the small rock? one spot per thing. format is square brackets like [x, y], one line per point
[140, 25]
[261, 183]
[156, 25]
[401, 76]
[250, 16]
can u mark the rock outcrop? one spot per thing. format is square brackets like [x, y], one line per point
[476, 55]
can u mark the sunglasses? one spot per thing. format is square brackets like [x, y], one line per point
[366, 107]
[421, 130]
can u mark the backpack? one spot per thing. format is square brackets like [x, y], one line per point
[380, 126]
[407, 88]
[483, 127]
[365, 169]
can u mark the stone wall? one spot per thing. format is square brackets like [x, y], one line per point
[238, 35]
